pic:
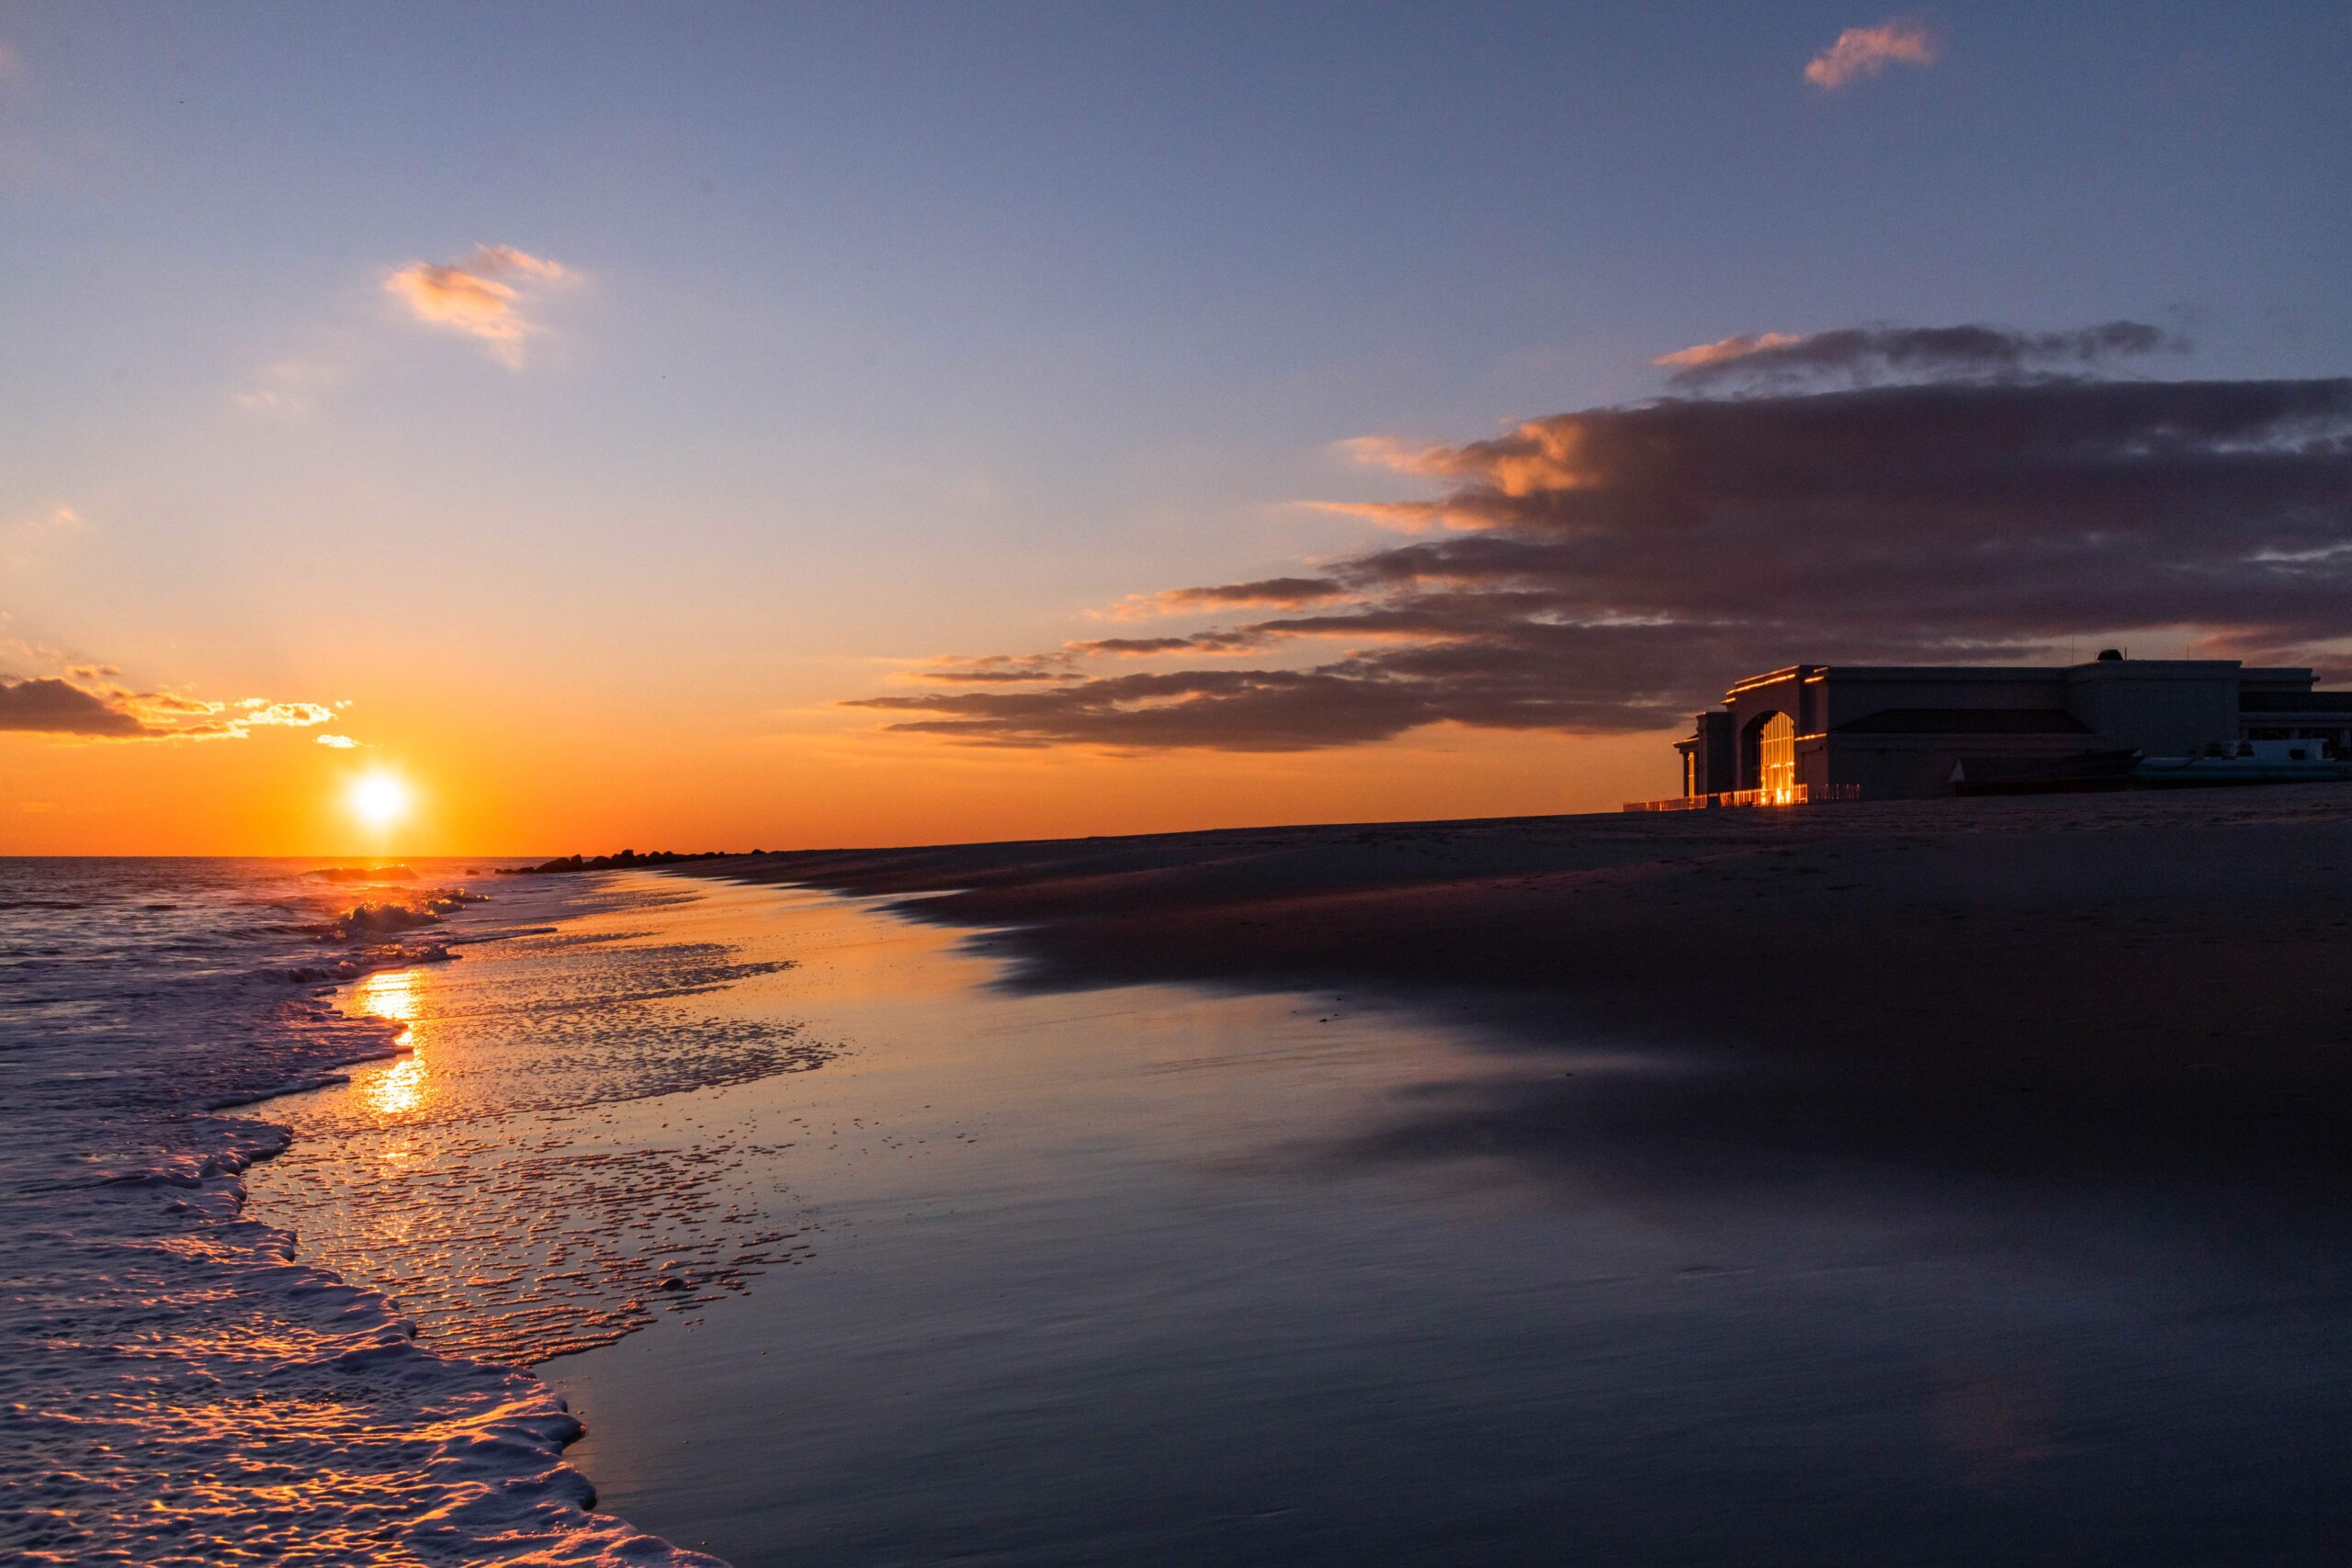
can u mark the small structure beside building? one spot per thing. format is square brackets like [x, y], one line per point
[1890, 732]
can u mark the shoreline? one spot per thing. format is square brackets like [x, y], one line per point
[527, 1414]
[179, 1344]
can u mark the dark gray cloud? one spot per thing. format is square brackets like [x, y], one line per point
[47, 706]
[1246, 640]
[1782, 361]
[1614, 569]
[1281, 593]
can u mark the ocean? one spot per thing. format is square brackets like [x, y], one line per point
[179, 1388]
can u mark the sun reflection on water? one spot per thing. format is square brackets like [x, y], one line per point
[399, 1089]
[395, 996]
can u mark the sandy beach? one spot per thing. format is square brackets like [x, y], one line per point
[2155, 982]
[1911, 1184]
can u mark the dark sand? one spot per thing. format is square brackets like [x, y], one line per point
[2151, 987]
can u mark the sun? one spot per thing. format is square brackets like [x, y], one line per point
[379, 798]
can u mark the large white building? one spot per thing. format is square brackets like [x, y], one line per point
[1882, 732]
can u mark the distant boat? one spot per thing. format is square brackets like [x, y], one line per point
[2252, 762]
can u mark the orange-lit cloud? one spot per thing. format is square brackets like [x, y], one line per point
[1861, 52]
[50, 704]
[1724, 349]
[1609, 570]
[480, 294]
[340, 742]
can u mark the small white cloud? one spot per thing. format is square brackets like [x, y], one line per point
[481, 294]
[1862, 52]
[340, 742]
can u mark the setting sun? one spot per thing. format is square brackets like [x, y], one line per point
[381, 799]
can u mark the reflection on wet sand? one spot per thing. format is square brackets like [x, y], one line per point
[526, 1179]
[394, 1090]
[1090, 1266]
[1161, 1272]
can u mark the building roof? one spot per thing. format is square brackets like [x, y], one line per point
[1966, 721]
[2251, 677]
[2295, 702]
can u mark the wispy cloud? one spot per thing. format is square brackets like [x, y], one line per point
[481, 294]
[293, 386]
[1866, 356]
[1724, 350]
[1862, 52]
[1271, 592]
[27, 538]
[1611, 569]
[340, 742]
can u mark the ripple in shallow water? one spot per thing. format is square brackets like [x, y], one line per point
[507, 1182]
[174, 1388]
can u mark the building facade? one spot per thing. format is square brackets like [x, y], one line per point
[1887, 732]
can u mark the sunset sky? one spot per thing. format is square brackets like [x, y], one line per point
[615, 420]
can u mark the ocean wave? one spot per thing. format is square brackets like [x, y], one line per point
[179, 1388]
[391, 917]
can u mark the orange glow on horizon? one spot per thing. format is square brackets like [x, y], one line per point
[814, 783]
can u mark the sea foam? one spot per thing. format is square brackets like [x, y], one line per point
[179, 1389]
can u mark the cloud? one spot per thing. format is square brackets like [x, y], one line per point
[1613, 568]
[1242, 639]
[51, 706]
[340, 742]
[997, 669]
[48, 705]
[24, 542]
[291, 387]
[1273, 593]
[480, 294]
[1862, 52]
[1863, 355]
[1724, 350]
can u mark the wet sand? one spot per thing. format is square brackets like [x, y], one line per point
[2149, 983]
[1906, 1185]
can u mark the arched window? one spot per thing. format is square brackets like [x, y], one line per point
[1776, 759]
